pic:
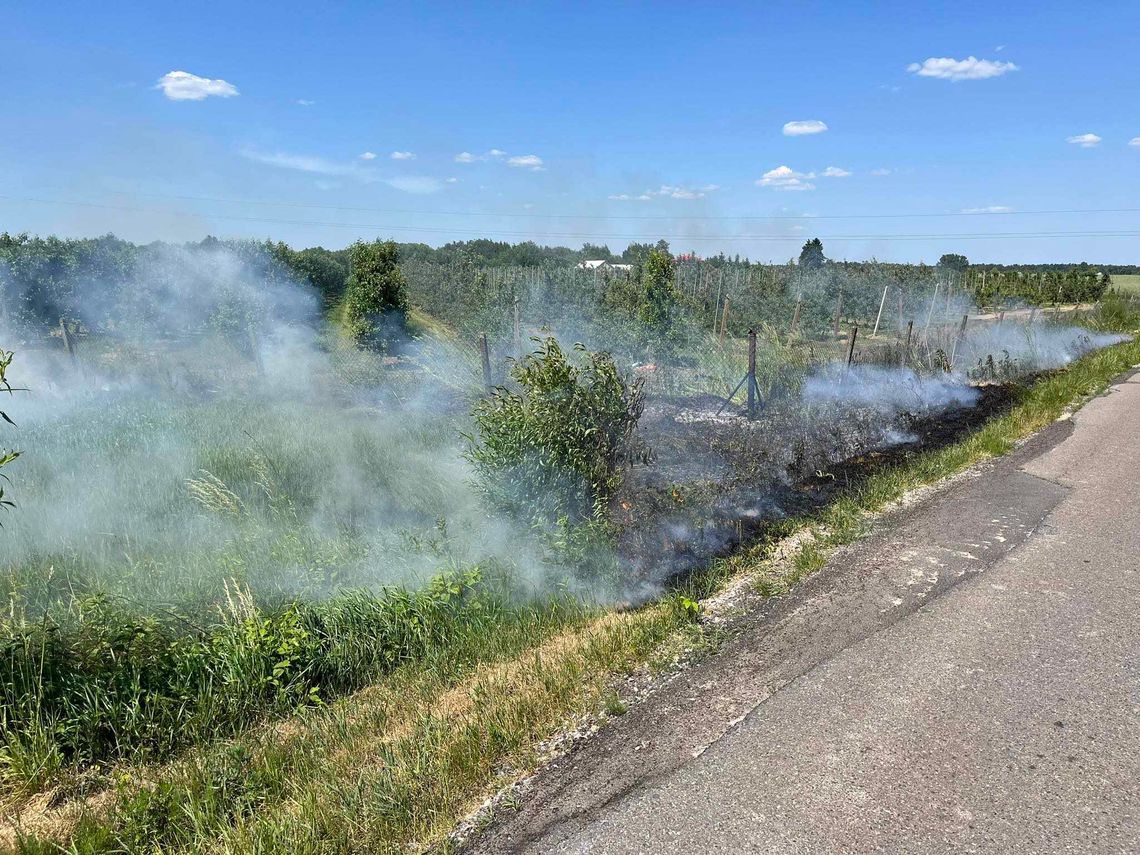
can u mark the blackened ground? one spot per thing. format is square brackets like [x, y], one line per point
[720, 480]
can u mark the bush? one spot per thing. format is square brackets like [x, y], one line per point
[376, 301]
[554, 452]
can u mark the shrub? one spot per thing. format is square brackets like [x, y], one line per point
[376, 300]
[554, 452]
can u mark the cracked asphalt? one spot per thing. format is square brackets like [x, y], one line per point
[967, 679]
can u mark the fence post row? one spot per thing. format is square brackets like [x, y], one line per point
[906, 350]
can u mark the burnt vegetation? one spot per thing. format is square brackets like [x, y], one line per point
[254, 478]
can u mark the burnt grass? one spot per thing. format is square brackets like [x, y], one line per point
[717, 483]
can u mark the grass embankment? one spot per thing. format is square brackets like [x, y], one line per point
[393, 766]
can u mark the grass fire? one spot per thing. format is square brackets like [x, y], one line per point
[253, 482]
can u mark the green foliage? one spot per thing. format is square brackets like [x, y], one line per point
[555, 451]
[376, 299]
[593, 251]
[110, 683]
[954, 262]
[325, 270]
[811, 256]
[1075, 284]
[660, 296]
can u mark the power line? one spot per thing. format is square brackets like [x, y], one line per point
[381, 228]
[530, 215]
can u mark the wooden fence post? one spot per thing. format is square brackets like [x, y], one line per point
[68, 345]
[70, 342]
[930, 313]
[795, 319]
[518, 330]
[851, 345]
[753, 390]
[485, 353]
[879, 316]
[724, 319]
[961, 335]
[906, 350]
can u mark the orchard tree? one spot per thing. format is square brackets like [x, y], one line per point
[636, 253]
[659, 296]
[594, 251]
[954, 262]
[811, 256]
[376, 301]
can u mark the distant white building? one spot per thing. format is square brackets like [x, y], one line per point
[600, 264]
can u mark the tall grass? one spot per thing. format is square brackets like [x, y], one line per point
[106, 683]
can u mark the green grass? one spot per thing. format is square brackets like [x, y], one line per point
[1126, 283]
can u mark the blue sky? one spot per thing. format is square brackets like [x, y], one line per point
[570, 122]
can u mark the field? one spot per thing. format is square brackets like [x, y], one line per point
[251, 560]
[1129, 284]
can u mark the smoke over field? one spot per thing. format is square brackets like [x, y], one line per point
[212, 428]
[227, 508]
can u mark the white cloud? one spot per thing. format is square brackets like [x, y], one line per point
[526, 161]
[1134, 141]
[305, 102]
[786, 178]
[452, 180]
[368, 155]
[988, 209]
[880, 171]
[402, 155]
[668, 191]
[300, 162]
[807, 126]
[418, 184]
[184, 86]
[835, 172]
[1084, 140]
[970, 68]
[493, 154]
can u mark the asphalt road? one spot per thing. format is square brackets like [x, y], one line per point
[966, 680]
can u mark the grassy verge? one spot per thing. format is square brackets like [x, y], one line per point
[392, 767]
